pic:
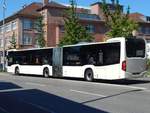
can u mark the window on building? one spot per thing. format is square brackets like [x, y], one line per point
[27, 24]
[142, 30]
[147, 30]
[88, 16]
[14, 25]
[1, 29]
[148, 19]
[7, 41]
[8, 27]
[90, 28]
[27, 39]
[62, 28]
[35, 25]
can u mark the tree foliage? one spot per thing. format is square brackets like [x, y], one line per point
[119, 24]
[13, 42]
[74, 32]
[40, 41]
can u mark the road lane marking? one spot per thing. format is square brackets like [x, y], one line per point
[87, 93]
[35, 84]
[123, 86]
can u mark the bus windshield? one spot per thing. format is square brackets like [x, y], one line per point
[135, 47]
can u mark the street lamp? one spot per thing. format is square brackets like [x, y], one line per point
[4, 9]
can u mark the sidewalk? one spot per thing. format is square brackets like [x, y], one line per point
[4, 73]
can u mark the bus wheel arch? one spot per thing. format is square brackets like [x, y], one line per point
[46, 72]
[17, 72]
[88, 74]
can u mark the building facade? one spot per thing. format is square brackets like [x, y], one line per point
[21, 26]
[54, 21]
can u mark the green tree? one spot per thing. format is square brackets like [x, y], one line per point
[40, 41]
[74, 32]
[13, 42]
[119, 24]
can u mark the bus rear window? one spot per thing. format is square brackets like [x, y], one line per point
[135, 47]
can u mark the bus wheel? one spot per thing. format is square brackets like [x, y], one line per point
[88, 75]
[17, 71]
[46, 72]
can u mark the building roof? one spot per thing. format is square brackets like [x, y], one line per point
[138, 17]
[26, 11]
[53, 4]
[31, 9]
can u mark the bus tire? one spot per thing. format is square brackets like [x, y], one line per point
[88, 75]
[17, 72]
[46, 72]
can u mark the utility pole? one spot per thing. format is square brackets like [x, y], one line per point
[4, 9]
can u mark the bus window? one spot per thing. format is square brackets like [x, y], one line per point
[91, 60]
[71, 56]
[112, 54]
[10, 61]
[100, 57]
[135, 47]
[45, 60]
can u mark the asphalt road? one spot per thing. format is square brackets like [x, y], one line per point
[30, 94]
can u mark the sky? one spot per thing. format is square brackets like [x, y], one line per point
[141, 6]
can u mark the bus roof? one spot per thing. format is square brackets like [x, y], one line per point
[30, 49]
[93, 43]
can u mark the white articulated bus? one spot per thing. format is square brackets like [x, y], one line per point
[118, 58]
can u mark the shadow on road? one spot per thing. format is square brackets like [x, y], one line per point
[37, 101]
[8, 85]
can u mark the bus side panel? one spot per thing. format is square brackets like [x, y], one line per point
[73, 71]
[111, 72]
[100, 72]
[29, 69]
[11, 69]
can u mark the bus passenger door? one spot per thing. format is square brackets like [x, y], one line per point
[57, 62]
